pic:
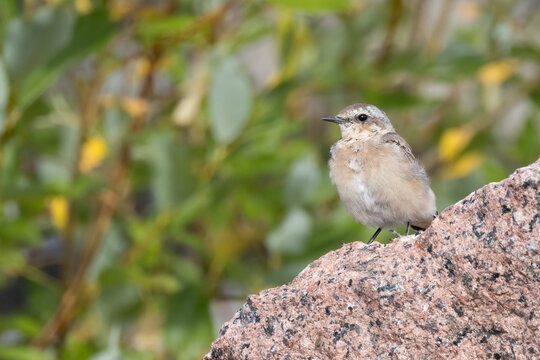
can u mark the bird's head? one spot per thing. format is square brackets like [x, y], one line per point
[361, 121]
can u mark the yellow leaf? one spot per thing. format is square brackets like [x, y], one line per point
[83, 6]
[469, 10]
[273, 80]
[453, 141]
[465, 165]
[135, 107]
[58, 209]
[495, 73]
[108, 101]
[189, 106]
[93, 152]
[142, 67]
[120, 8]
[166, 62]
[186, 110]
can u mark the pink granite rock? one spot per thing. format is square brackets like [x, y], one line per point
[467, 288]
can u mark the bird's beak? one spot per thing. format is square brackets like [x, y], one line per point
[334, 119]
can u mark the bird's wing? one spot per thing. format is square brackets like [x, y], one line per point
[400, 144]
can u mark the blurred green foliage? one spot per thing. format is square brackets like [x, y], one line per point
[159, 160]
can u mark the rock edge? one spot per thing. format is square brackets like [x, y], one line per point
[468, 287]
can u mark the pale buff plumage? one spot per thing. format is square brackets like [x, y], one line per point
[379, 181]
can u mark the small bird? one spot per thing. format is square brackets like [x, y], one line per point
[379, 181]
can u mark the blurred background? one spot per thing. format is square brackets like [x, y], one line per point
[162, 159]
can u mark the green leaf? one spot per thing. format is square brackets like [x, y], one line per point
[56, 168]
[171, 176]
[163, 182]
[458, 61]
[18, 230]
[302, 180]
[76, 348]
[160, 282]
[32, 42]
[290, 235]
[41, 301]
[11, 261]
[90, 32]
[149, 30]
[188, 327]
[314, 5]
[26, 324]
[8, 9]
[397, 99]
[113, 247]
[115, 125]
[187, 270]
[23, 353]
[230, 100]
[526, 51]
[119, 300]
[112, 352]
[535, 96]
[4, 94]
[494, 171]
[526, 148]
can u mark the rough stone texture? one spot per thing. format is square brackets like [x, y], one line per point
[467, 288]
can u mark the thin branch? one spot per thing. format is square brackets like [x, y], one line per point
[396, 12]
[210, 18]
[434, 41]
[88, 112]
[416, 23]
[109, 202]
[111, 198]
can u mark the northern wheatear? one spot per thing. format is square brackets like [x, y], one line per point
[379, 181]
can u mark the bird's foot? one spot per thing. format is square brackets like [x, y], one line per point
[394, 232]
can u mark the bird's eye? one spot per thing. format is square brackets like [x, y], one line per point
[362, 117]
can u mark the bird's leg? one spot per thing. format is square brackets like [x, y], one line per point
[394, 232]
[374, 236]
[407, 229]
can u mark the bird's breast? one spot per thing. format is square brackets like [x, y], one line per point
[350, 173]
[377, 188]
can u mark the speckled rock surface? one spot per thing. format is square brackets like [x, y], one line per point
[467, 288]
